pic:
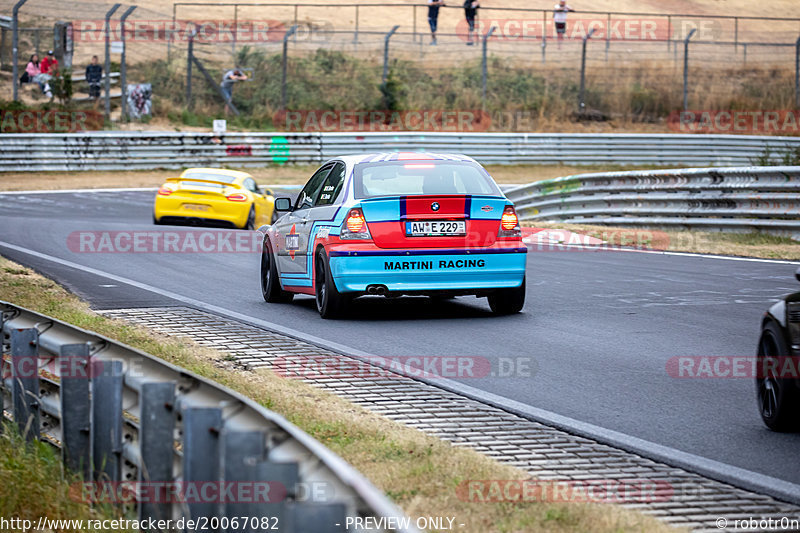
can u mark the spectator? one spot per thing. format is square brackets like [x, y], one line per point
[231, 77]
[31, 70]
[50, 64]
[35, 75]
[470, 10]
[94, 73]
[560, 18]
[433, 17]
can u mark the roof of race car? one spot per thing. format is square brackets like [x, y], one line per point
[401, 156]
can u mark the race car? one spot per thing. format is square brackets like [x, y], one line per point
[214, 196]
[396, 224]
[777, 385]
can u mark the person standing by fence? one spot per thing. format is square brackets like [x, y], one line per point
[94, 73]
[230, 77]
[433, 17]
[560, 18]
[470, 11]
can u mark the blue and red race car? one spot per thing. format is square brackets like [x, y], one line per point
[395, 224]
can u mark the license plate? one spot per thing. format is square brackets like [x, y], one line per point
[195, 207]
[430, 228]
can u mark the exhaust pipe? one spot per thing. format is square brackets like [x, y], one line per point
[380, 290]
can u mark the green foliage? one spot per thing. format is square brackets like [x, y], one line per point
[790, 156]
[61, 85]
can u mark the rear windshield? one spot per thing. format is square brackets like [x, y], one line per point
[408, 178]
[186, 179]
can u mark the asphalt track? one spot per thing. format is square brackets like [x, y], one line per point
[597, 330]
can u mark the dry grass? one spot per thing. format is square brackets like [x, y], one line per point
[719, 243]
[419, 472]
[266, 176]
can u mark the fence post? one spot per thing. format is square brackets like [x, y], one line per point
[2, 48]
[108, 60]
[581, 102]
[14, 47]
[797, 74]
[544, 34]
[485, 68]
[123, 67]
[286, 36]
[608, 33]
[355, 35]
[235, 30]
[189, 69]
[386, 53]
[686, 69]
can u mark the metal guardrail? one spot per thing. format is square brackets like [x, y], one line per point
[732, 199]
[122, 416]
[159, 150]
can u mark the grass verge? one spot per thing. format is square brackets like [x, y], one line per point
[32, 484]
[761, 245]
[272, 175]
[419, 472]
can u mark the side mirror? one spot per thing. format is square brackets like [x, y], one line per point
[283, 204]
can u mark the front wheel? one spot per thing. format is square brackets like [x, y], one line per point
[508, 301]
[778, 398]
[270, 284]
[330, 302]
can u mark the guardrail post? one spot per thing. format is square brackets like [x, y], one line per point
[123, 67]
[686, 69]
[15, 47]
[285, 474]
[156, 445]
[106, 419]
[581, 102]
[241, 451]
[284, 62]
[201, 428]
[108, 60]
[386, 53]
[485, 68]
[25, 381]
[76, 443]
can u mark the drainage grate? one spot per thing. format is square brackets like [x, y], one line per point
[546, 453]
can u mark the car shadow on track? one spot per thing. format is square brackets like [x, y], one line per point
[379, 308]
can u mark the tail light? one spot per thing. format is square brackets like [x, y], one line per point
[355, 226]
[237, 197]
[509, 224]
[164, 191]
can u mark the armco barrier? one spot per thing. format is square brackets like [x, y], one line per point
[159, 150]
[734, 199]
[132, 420]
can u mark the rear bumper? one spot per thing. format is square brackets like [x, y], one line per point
[428, 270]
[235, 215]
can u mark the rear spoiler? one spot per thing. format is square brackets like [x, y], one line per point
[199, 180]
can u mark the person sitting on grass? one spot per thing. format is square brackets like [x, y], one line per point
[36, 75]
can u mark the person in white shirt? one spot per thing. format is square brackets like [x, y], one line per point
[560, 18]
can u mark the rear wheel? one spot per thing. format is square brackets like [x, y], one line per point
[251, 219]
[778, 399]
[270, 284]
[330, 302]
[508, 301]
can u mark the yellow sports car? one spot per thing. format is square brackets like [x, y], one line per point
[214, 196]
